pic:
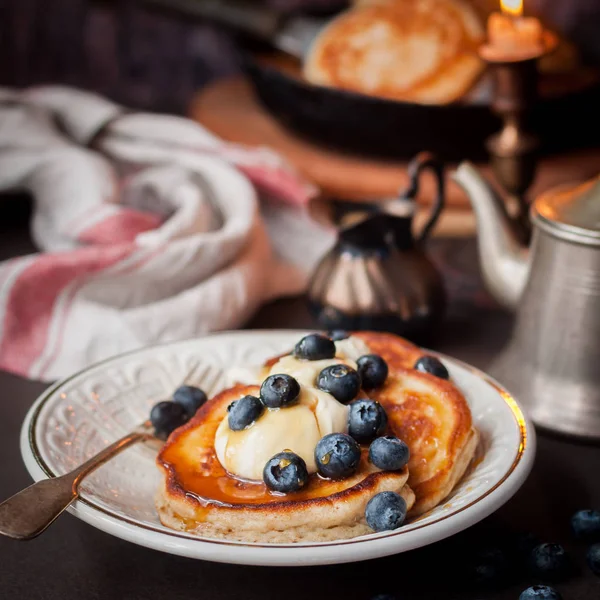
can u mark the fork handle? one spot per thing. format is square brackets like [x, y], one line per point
[30, 511]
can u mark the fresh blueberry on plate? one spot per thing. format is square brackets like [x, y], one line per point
[190, 397]
[373, 371]
[433, 366]
[315, 347]
[389, 453]
[366, 420]
[286, 472]
[278, 391]
[540, 592]
[593, 558]
[337, 335]
[337, 456]
[385, 511]
[166, 417]
[586, 525]
[341, 381]
[244, 412]
[550, 561]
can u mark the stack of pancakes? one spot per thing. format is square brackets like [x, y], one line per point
[430, 414]
[422, 51]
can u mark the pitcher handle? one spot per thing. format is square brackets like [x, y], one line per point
[426, 160]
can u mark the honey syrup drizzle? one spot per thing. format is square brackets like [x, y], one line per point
[209, 483]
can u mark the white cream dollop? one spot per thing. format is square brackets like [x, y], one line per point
[297, 428]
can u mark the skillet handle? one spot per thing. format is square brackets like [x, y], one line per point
[245, 16]
[426, 160]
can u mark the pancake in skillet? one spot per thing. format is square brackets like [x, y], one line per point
[421, 51]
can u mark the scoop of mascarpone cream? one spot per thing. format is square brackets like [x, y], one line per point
[297, 428]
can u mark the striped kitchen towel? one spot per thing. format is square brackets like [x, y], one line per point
[149, 230]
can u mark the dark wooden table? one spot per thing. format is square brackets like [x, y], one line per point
[74, 560]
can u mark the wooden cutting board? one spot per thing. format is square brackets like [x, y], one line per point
[231, 110]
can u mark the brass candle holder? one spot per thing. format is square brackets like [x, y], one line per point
[513, 150]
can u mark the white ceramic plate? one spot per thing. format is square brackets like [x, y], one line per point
[80, 415]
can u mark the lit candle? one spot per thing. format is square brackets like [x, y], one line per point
[512, 36]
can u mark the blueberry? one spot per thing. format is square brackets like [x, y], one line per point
[385, 511]
[540, 592]
[286, 472]
[586, 525]
[315, 347]
[244, 412]
[373, 371]
[278, 391]
[337, 456]
[166, 417]
[341, 381]
[549, 560]
[366, 420]
[190, 397]
[593, 558]
[432, 365]
[389, 453]
[337, 335]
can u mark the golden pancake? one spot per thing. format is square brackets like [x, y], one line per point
[422, 51]
[430, 414]
[197, 494]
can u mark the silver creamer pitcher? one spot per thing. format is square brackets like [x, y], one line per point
[552, 362]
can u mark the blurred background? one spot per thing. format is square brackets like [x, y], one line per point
[157, 60]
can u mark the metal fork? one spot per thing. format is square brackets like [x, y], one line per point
[30, 511]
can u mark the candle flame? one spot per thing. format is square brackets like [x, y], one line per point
[512, 7]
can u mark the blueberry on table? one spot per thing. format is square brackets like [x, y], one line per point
[586, 525]
[341, 381]
[244, 412]
[389, 453]
[279, 391]
[593, 558]
[385, 511]
[166, 417]
[315, 347]
[337, 456]
[433, 366]
[373, 371]
[190, 397]
[540, 592]
[366, 420]
[550, 561]
[286, 472]
[337, 335]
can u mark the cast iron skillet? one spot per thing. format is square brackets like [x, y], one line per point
[384, 128]
[380, 127]
[367, 124]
